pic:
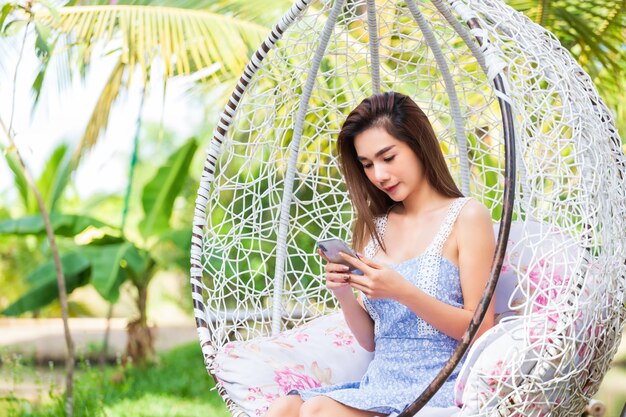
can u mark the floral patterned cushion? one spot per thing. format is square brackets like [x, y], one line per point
[322, 352]
[508, 297]
[490, 370]
[534, 280]
[501, 358]
[544, 259]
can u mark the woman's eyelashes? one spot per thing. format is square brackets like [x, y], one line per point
[387, 159]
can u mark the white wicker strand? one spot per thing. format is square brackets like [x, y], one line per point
[372, 27]
[455, 109]
[281, 248]
[462, 32]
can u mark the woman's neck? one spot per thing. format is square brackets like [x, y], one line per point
[423, 200]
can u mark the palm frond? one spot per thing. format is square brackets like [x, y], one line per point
[252, 10]
[258, 11]
[182, 4]
[542, 14]
[593, 48]
[54, 178]
[530, 8]
[100, 114]
[615, 19]
[186, 40]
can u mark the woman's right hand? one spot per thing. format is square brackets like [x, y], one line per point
[337, 277]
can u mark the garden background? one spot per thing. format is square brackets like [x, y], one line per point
[110, 131]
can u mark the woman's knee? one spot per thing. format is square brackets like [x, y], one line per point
[288, 406]
[316, 406]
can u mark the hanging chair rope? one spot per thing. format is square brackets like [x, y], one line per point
[463, 33]
[503, 235]
[281, 252]
[372, 27]
[455, 108]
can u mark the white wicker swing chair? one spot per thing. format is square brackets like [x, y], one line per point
[523, 131]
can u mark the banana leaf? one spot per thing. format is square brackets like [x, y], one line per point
[161, 191]
[63, 225]
[76, 269]
[111, 265]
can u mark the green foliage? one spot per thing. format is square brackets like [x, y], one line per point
[55, 177]
[111, 258]
[76, 269]
[160, 390]
[51, 184]
[28, 199]
[182, 40]
[111, 265]
[68, 225]
[172, 248]
[16, 260]
[254, 10]
[159, 194]
[32, 246]
[4, 13]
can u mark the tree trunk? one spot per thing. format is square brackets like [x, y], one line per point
[69, 360]
[140, 345]
[105, 341]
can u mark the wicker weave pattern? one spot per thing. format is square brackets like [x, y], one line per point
[570, 174]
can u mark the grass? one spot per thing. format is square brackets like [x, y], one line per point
[178, 386]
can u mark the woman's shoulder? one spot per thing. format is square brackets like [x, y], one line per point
[474, 216]
[474, 209]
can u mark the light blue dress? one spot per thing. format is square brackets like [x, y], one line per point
[409, 352]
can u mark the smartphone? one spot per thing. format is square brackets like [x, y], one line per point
[331, 248]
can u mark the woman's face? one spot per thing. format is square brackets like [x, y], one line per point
[390, 164]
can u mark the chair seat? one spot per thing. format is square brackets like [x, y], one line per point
[322, 352]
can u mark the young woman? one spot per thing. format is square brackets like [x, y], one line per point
[427, 256]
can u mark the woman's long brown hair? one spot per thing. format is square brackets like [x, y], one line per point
[405, 121]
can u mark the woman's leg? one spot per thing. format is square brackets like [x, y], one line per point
[287, 406]
[322, 406]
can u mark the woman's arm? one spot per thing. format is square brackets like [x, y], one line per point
[476, 243]
[359, 321]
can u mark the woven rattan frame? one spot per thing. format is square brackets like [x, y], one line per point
[492, 59]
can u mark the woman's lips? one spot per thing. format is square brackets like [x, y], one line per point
[391, 189]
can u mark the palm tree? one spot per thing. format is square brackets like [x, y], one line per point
[210, 43]
[216, 37]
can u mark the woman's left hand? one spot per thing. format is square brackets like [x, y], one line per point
[378, 281]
